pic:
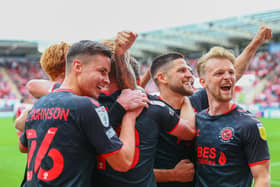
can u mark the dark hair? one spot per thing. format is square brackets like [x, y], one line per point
[162, 60]
[85, 48]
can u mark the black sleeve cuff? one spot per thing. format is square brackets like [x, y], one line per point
[116, 114]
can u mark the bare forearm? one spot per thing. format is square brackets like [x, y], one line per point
[145, 78]
[187, 113]
[127, 136]
[243, 60]
[124, 74]
[164, 175]
[262, 182]
[38, 87]
[20, 123]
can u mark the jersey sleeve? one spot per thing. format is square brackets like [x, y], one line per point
[116, 113]
[96, 125]
[166, 117]
[199, 100]
[255, 144]
[23, 140]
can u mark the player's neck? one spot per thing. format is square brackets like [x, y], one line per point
[173, 99]
[69, 83]
[59, 79]
[218, 108]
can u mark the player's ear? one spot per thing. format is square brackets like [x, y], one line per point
[161, 77]
[202, 82]
[77, 66]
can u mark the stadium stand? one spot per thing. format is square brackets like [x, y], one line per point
[19, 60]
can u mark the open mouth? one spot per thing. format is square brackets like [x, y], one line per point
[189, 82]
[100, 87]
[226, 87]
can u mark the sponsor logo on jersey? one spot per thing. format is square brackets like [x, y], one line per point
[110, 133]
[261, 131]
[222, 158]
[103, 115]
[206, 155]
[159, 103]
[226, 134]
[171, 111]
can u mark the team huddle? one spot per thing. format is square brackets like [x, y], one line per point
[94, 125]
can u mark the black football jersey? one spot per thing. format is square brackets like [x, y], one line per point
[226, 146]
[63, 134]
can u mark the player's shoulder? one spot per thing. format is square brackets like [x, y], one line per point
[156, 102]
[251, 126]
[203, 114]
[88, 101]
[71, 98]
[248, 119]
[159, 108]
[245, 114]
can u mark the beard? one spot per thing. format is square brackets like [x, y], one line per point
[221, 97]
[181, 90]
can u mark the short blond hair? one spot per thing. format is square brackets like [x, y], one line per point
[53, 59]
[214, 52]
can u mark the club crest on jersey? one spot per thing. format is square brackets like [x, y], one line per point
[261, 131]
[226, 134]
[103, 115]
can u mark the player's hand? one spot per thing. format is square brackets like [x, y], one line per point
[136, 112]
[124, 41]
[132, 99]
[187, 102]
[264, 33]
[184, 171]
[20, 121]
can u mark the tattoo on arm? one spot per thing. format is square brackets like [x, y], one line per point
[125, 77]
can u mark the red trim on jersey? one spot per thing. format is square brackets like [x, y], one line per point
[101, 163]
[22, 145]
[95, 102]
[194, 109]
[160, 97]
[174, 128]
[19, 133]
[105, 92]
[63, 89]
[52, 88]
[111, 153]
[256, 163]
[231, 108]
[137, 151]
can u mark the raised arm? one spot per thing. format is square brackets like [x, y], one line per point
[243, 60]
[145, 78]
[260, 174]
[186, 127]
[124, 73]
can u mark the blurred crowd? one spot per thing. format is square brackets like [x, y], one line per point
[265, 66]
[20, 73]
